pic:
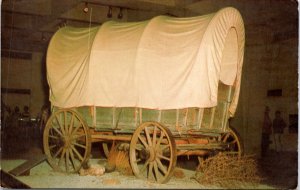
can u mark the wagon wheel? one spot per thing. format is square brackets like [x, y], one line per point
[67, 141]
[153, 152]
[235, 144]
[106, 148]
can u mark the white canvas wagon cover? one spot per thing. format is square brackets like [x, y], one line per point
[162, 63]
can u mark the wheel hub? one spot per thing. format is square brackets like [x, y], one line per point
[67, 142]
[152, 153]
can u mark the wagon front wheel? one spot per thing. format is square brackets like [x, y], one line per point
[153, 152]
[66, 141]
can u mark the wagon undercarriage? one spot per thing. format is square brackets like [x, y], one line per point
[153, 148]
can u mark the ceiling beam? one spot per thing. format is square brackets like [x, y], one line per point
[22, 13]
[24, 46]
[141, 6]
[79, 21]
[181, 3]
[26, 30]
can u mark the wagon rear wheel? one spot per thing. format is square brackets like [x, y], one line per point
[235, 144]
[153, 152]
[67, 141]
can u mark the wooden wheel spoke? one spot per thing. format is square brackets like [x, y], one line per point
[72, 159]
[164, 147]
[60, 125]
[62, 156]
[71, 124]
[163, 157]
[56, 130]
[150, 170]
[162, 134]
[57, 153]
[77, 153]
[77, 137]
[148, 136]
[234, 141]
[138, 160]
[67, 161]
[154, 135]
[53, 137]
[143, 141]
[65, 123]
[50, 132]
[75, 130]
[156, 171]
[52, 146]
[226, 137]
[144, 167]
[161, 166]
[138, 147]
[80, 145]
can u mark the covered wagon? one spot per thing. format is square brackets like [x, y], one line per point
[166, 87]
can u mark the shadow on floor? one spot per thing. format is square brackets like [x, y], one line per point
[280, 169]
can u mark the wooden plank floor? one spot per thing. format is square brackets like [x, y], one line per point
[24, 169]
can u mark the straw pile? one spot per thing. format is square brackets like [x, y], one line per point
[228, 171]
[119, 160]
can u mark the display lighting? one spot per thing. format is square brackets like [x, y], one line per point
[86, 8]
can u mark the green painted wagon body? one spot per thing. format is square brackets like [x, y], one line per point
[206, 120]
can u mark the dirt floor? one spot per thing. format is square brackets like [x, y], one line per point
[278, 170]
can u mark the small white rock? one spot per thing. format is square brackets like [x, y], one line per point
[93, 170]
